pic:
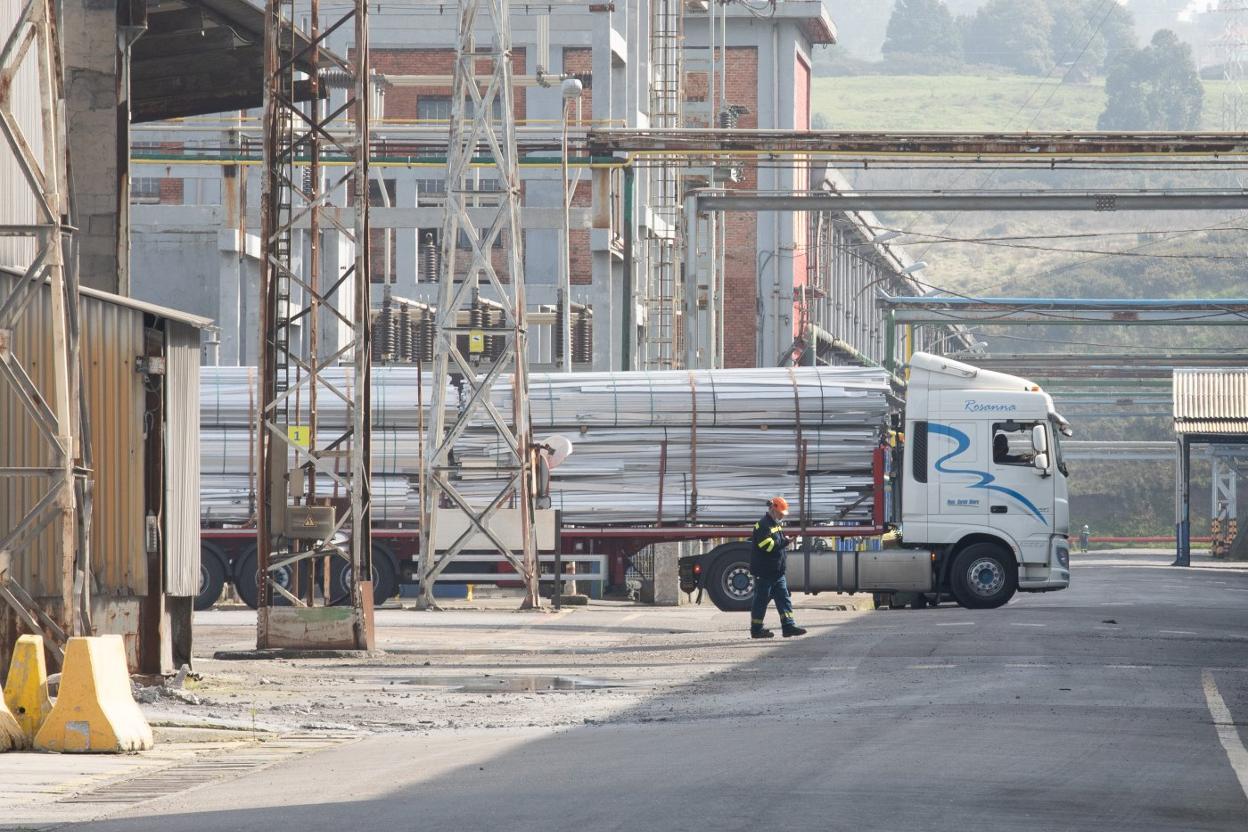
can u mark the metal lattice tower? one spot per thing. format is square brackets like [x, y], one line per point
[311, 322]
[482, 125]
[35, 231]
[664, 342]
[1233, 46]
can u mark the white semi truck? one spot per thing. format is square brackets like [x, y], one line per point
[984, 509]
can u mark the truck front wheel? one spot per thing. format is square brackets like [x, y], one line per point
[729, 582]
[984, 576]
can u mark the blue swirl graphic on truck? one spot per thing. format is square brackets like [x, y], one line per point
[986, 480]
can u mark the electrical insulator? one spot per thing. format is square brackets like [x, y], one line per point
[728, 118]
[583, 338]
[430, 260]
[494, 343]
[559, 330]
[385, 334]
[427, 332]
[404, 327]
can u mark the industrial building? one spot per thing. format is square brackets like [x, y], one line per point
[761, 277]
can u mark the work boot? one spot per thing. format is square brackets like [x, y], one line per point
[762, 634]
[790, 632]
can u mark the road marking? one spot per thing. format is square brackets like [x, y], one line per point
[629, 618]
[931, 666]
[956, 624]
[1029, 665]
[1227, 734]
[1180, 632]
[1022, 624]
[1232, 589]
[1223, 583]
[831, 667]
[1130, 666]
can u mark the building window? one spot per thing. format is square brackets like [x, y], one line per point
[438, 108]
[145, 190]
[433, 108]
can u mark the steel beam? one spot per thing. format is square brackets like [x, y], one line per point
[1049, 311]
[1014, 146]
[996, 200]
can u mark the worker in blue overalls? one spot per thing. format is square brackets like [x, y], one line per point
[767, 565]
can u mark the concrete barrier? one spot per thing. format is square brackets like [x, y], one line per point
[94, 709]
[26, 689]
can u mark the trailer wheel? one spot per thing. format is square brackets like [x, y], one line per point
[246, 582]
[729, 582]
[211, 576]
[385, 581]
[984, 576]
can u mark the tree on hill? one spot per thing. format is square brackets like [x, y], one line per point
[1011, 33]
[1089, 32]
[922, 28]
[1154, 88]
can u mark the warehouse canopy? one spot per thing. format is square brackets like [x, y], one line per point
[198, 57]
[1211, 403]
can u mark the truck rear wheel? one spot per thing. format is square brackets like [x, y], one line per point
[729, 582]
[984, 576]
[248, 585]
[211, 576]
[385, 581]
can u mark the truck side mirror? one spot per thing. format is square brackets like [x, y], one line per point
[1041, 461]
[1039, 440]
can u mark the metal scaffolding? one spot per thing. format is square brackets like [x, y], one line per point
[35, 230]
[313, 319]
[482, 123]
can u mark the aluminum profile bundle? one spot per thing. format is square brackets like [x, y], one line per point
[714, 443]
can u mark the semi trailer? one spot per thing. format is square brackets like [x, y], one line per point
[896, 493]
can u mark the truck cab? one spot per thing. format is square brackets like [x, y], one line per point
[983, 472]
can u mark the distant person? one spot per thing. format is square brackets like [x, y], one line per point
[767, 565]
[1083, 538]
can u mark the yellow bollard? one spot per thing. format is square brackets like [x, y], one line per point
[95, 710]
[11, 736]
[26, 690]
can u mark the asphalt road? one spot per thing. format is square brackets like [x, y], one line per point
[1121, 704]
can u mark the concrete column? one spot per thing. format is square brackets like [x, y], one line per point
[99, 139]
[666, 590]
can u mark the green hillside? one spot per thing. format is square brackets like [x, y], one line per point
[971, 102]
[1166, 254]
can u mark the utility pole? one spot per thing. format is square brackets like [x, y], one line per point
[35, 230]
[482, 125]
[312, 323]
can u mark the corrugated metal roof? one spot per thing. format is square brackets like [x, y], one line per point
[133, 303]
[1211, 401]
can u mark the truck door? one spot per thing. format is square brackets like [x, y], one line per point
[958, 451]
[1020, 496]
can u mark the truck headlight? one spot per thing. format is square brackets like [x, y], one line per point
[1063, 556]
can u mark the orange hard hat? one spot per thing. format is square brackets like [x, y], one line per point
[779, 504]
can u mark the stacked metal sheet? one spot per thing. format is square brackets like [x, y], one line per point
[715, 444]
[228, 440]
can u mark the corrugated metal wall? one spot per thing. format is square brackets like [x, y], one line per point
[112, 336]
[1211, 401]
[17, 203]
[181, 511]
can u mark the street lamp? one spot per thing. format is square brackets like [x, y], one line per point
[571, 93]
